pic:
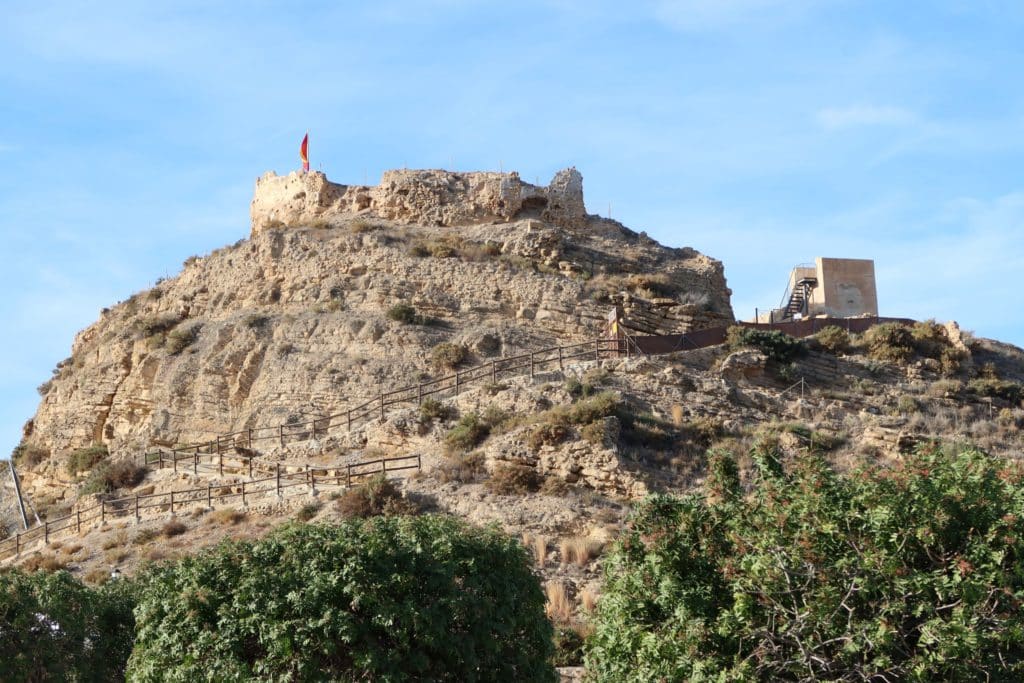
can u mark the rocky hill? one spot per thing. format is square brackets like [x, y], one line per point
[344, 292]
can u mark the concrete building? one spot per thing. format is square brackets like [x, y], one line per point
[831, 287]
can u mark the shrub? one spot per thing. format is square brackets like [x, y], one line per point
[180, 338]
[404, 313]
[85, 458]
[57, 629]
[778, 346]
[110, 476]
[174, 528]
[155, 325]
[419, 251]
[568, 642]
[833, 339]
[464, 468]
[29, 455]
[448, 356]
[890, 342]
[547, 435]
[508, 479]
[422, 598]
[144, 536]
[905, 573]
[997, 388]
[369, 499]
[361, 225]
[308, 511]
[227, 516]
[469, 432]
[255, 321]
[432, 409]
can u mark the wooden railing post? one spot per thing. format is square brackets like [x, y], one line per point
[494, 372]
[312, 482]
[561, 367]
[218, 444]
[384, 465]
[456, 382]
[382, 406]
[209, 496]
[597, 349]
[419, 464]
[17, 544]
[138, 517]
[172, 502]
[220, 465]
[250, 438]
[78, 521]
[277, 475]
[531, 366]
[103, 512]
[46, 533]
[195, 463]
[419, 393]
[175, 462]
[281, 431]
[250, 467]
[243, 494]
[348, 415]
[348, 475]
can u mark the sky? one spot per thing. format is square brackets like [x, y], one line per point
[763, 133]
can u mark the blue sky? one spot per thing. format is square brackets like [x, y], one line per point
[761, 132]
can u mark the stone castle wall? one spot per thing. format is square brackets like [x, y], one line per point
[424, 197]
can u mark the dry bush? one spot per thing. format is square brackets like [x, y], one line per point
[72, 549]
[85, 458]
[508, 479]
[833, 339]
[361, 225]
[559, 608]
[448, 356]
[111, 476]
[96, 577]
[226, 516]
[116, 556]
[174, 528]
[155, 554]
[588, 599]
[464, 469]
[547, 434]
[554, 485]
[677, 415]
[27, 455]
[308, 511]
[377, 496]
[144, 536]
[538, 545]
[39, 561]
[118, 539]
[579, 549]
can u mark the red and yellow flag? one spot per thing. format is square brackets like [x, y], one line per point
[304, 152]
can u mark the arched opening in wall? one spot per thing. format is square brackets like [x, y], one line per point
[532, 207]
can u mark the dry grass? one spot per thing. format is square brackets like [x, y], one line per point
[96, 577]
[678, 415]
[39, 561]
[226, 517]
[174, 528]
[579, 549]
[115, 556]
[559, 607]
[588, 599]
[538, 545]
[144, 536]
[118, 539]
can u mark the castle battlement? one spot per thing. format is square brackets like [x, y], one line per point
[424, 197]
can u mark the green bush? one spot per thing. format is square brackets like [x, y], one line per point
[907, 573]
[111, 476]
[468, 433]
[432, 409]
[54, 628]
[387, 599]
[833, 339]
[778, 346]
[405, 313]
[448, 356]
[997, 388]
[890, 342]
[85, 458]
[369, 499]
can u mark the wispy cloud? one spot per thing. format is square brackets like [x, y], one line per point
[838, 118]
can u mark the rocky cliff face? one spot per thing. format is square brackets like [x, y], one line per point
[294, 322]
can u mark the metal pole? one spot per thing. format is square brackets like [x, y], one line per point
[17, 490]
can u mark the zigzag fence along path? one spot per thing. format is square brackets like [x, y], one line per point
[278, 482]
[191, 456]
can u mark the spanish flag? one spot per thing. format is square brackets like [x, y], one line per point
[304, 153]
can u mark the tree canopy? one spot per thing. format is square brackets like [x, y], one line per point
[387, 599]
[909, 572]
[54, 628]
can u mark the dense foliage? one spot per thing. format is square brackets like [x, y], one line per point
[909, 573]
[53, 628]
[387, 599]
[778, 346]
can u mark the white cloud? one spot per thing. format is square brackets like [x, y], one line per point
[838, 118]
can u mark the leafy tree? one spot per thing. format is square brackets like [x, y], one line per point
[54, 628]
[910, 573]
[385, 599]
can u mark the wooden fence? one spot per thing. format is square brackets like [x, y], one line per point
[280, 480]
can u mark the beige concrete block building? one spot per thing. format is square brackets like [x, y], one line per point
[830, 287]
